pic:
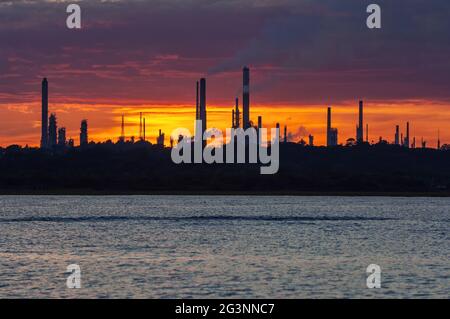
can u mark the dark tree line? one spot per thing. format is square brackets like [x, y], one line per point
[145, 168]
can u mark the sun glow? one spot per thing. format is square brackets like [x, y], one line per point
[22, 121]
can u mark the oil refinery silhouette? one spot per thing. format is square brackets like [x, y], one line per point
[139, 166]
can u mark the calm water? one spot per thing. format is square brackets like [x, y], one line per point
[224, 246]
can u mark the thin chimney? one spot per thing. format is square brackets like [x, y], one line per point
[246, 98]
[197, 107]
[44, 123]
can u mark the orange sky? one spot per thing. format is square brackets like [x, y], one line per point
[21, 122]
[145, 56]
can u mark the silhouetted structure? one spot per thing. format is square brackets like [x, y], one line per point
[332, 133]
[328, 126]
[160, 139]
[424, 143]
[202, 106]
[246, 98]
[360, 126]
[44, 123]
[258, 130]
[333, 137]
[277, 126]
[62, 137]
[406, 142]
[311, 140]
[237, 115]
[130, 167]
[52, 128]
[397, 135]
[49, 138]
[197, 103]
[84, 133]
[233, 121]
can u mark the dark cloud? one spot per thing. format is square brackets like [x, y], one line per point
[300, 51]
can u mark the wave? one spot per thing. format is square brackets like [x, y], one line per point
[76, 219]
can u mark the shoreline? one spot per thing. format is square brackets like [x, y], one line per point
[90, 192]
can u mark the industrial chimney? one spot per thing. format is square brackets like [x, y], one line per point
[329, 127]
[246, 98]
[202, 105]
[44, 123]
[237, 115]
[360, 134]
[197, 111]
[407, 144]
[84, 133]
[397, 135]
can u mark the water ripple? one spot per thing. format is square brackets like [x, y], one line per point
[76, 219]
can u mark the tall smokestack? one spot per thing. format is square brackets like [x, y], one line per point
[202, 108]
[258, 132]
[397, 135]
[84, 133]
[329, 126]
[197, 111]
[237, 114]
[360, 135]
[233, 119]
[52, 130]
[285, 134]
[407, 135]
[246, 98]
[44, 123]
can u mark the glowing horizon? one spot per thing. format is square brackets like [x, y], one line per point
[132, 56]
[104, 120]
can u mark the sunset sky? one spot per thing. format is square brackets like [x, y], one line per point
[136, 56]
